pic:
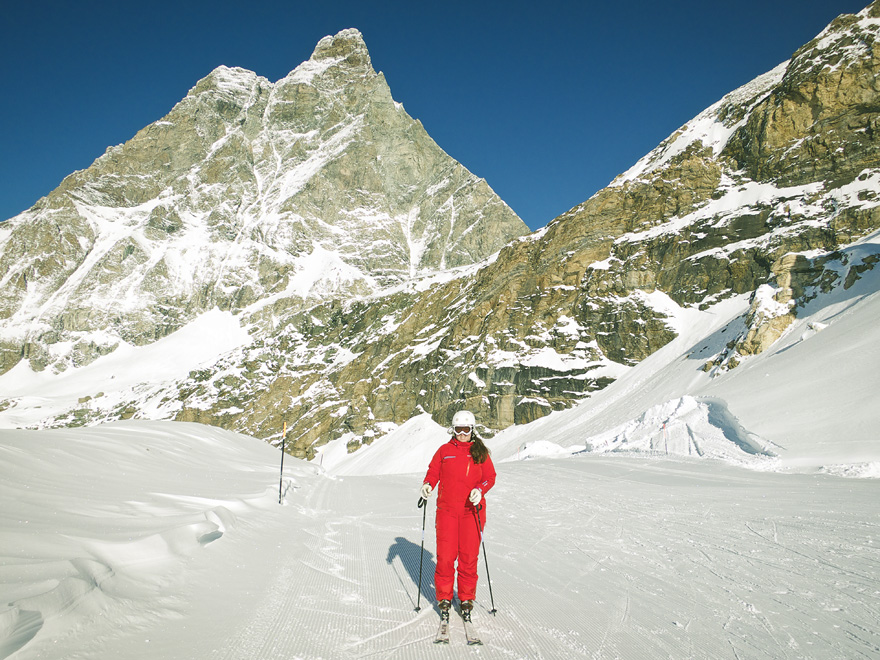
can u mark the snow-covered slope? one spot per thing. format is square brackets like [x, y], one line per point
[681, 515]
[99, 530]
[679, 512]
[145, 540]
[129, 373]
[811, 400]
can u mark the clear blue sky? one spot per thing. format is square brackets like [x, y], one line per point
[548, 101]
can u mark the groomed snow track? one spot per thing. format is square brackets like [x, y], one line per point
[590, 558]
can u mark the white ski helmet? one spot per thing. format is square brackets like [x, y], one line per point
[464, 418]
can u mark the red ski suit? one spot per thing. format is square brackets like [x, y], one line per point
[458, 536]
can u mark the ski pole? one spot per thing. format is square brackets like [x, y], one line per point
[485, 558]
[423, 504]
[281, 478]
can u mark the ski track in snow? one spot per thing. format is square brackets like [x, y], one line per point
[591, 556]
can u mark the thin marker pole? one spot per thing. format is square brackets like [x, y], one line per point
[281, 478]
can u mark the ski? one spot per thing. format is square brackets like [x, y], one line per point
[471, 634]
[443, 631]
[470, 631]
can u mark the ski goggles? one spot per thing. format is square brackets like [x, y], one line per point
[463, 430]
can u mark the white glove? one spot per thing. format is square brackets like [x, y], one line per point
[475, 496]
[426, 491]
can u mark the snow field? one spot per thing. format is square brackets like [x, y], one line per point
[654, 558]
[101, 526]
[174, 539]
[127, 372]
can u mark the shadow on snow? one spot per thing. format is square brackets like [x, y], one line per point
[414, 563]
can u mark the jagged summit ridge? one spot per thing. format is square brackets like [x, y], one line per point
[347, 45]
[833, 70]
[235, 81]
[346, 50]
[711, 129]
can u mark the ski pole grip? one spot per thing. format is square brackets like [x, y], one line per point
[422, 502]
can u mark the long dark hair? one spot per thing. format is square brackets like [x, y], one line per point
[479, 450]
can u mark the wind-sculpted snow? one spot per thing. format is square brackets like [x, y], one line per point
[103, 525]
[683, 427]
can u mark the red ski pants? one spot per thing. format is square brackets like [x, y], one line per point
[458, 537]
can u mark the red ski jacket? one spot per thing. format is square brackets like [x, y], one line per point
[454, 467]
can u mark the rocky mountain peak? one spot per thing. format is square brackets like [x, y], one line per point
[346, 46]
[249, 196]
[226, 79]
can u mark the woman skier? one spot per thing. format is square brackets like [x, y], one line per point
[465, 473]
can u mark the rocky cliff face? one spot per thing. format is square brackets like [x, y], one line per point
[754, 197]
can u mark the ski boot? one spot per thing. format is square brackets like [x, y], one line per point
[443, 632]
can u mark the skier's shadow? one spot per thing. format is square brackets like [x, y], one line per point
[410, 555]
